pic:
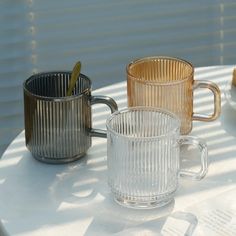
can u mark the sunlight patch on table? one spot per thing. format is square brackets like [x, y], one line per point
[15, 150]
[10, 162]
[96, 160]
[99, 168]
[210, 190]
[83, 193]
[221, 150]
[208, 134]
[65, 206]
[220, 140]
[84, 182]
[68, 228]
[2, 181]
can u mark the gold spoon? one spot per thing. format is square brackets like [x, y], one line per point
[74, 76]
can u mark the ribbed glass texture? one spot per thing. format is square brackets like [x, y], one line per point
[143, 156]
[57, 127]
[162, 82]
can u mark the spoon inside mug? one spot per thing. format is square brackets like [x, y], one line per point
[74, 76]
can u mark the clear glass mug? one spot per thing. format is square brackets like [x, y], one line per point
[168, 83]
[143, 156]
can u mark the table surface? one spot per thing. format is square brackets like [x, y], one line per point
[74, 199]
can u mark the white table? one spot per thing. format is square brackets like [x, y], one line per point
[41, 199]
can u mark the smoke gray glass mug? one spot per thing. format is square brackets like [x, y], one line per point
[58, 128]
[143, 156]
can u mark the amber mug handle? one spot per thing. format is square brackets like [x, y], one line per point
[217, 100]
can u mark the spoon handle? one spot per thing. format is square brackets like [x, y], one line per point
[74, 75]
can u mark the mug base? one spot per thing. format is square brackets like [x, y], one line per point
[157, 203]
[52, 160]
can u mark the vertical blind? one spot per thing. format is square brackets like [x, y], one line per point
[42, 35]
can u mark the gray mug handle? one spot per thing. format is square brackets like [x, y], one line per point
[111, 104]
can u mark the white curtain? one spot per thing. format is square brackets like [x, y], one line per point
[42, 35]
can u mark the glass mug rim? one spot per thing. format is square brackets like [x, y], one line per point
[170, 132]
[145, 59]
[64, 98]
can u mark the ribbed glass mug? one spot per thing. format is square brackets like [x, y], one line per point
[143, 156]
[168, 83]
[58, 128]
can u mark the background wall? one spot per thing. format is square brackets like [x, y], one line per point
[42, 35]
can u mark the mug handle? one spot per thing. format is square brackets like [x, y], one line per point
[111, 104]
[217, 100]
[189, 140]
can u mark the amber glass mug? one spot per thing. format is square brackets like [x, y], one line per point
[167, 82]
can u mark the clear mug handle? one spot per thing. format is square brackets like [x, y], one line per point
[190, 140]
[217, 100]
[111, 104]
